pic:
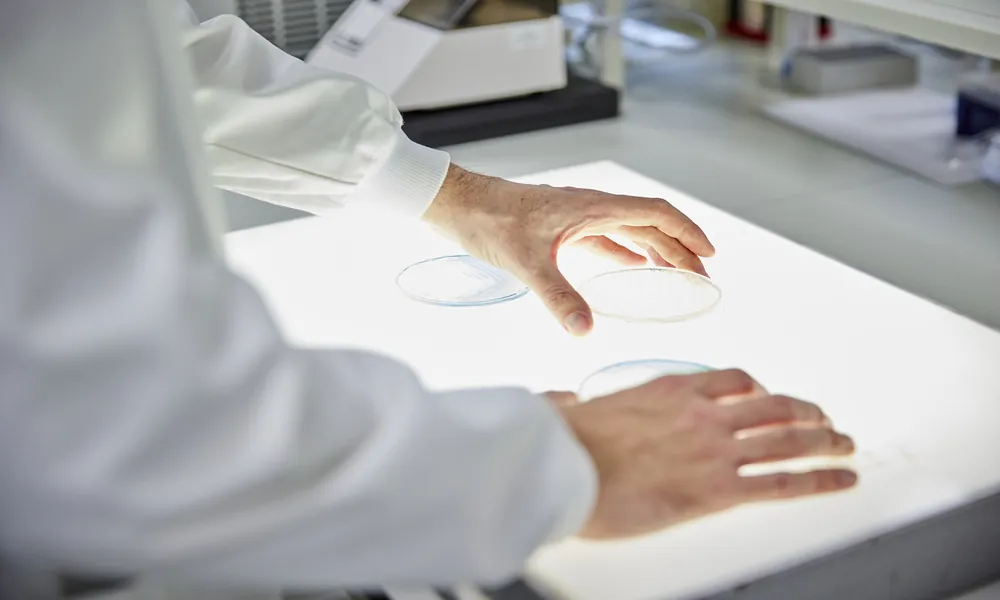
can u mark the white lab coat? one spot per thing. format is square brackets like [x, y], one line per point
[289, 133]
[153, 421]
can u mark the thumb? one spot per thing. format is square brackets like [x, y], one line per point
[562, 300]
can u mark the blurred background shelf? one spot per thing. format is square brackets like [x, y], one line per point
[969, 25]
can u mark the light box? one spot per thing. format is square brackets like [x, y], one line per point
[916, 385]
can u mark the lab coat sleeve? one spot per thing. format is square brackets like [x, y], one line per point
[289, 133]
[153, 420]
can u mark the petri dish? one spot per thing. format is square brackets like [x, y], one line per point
[459, 280]
[633, 373]
[651, 294]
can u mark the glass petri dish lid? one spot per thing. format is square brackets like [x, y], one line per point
[626, 375]
[459, 280]
[651, 294]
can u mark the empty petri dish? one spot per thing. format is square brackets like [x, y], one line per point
[458, 280]
[651, 294]
[627, 375]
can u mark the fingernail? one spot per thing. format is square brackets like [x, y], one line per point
[846, 478]
[577, 324]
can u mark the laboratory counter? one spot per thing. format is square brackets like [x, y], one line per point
[915, 384]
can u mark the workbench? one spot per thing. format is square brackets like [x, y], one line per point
[916, 385]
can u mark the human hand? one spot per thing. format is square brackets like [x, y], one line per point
[520, 228]
[669, 451]
[562, 399]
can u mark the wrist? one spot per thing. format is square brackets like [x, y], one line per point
[460, 190]
[576, 418]
[578, 477]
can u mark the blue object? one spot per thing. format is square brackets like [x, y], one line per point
[978, 112]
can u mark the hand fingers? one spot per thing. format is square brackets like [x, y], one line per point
[642, 212]
[561, 299]
[729, 383]
[655, 256]
[668, 248]
[790, 443]
[780, 486]
[608, 247]
[773, 410]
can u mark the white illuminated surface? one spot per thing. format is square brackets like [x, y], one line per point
[917, 386]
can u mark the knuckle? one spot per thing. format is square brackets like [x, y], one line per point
[839, 442]
[794, 409]
[685, 231]
[784, 407]
[823, 482]
[813, 411]
[836, 480]
[783, 483]
[740, 378]
[558, 294]
[830, 439]
[814, 482]
[793, 441]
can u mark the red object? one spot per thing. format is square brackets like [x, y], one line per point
[825, 28]
[739, 30]
[736, 28]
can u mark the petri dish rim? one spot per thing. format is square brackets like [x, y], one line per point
[633, 319]
[513, 296]
[701, 368]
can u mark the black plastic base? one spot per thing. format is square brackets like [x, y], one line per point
[581, 101]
